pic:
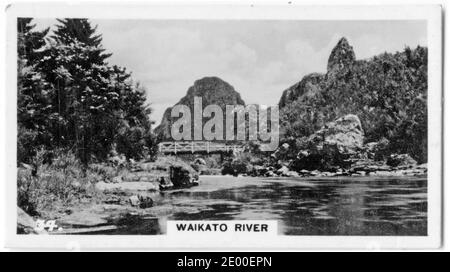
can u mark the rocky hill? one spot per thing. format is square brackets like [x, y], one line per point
[341, 56]
[212, 90]
[387, 92]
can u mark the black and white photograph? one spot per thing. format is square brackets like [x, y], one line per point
[286, 127]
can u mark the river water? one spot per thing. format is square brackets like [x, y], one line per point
[319, 206]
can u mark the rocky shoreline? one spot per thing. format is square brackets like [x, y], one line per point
[139, 191]
[357, 171]
[337, 149]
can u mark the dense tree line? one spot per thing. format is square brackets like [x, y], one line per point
[70, 97]
[387, 92]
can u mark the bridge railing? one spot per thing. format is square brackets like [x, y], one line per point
[198, 146]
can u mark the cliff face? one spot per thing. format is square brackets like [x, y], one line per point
[212, 90]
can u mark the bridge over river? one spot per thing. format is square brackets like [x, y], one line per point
[199, 147]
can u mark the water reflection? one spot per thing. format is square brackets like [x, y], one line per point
[327, 206]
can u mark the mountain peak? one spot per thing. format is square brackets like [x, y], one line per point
[341, 55]
[343, 42]
[208, 79]
[213, 91]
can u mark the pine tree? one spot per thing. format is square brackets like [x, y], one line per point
[29, 40]
[71, 30]
[70, 98]
[33, 92]
[99, 104]
[82, 98]
[134, 138]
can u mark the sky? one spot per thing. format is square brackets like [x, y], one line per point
[260, 59]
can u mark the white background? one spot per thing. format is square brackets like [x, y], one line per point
[3, 131]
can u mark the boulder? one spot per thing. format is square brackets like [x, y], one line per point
[282, 171]
[377, 150]
[282, 152]
[332, 146]
[423, 166]
[292, 174]
[200, 161]
[165, 183]
[399, 160]
[141, 201]
[134, 200]
[345, 134]
[145, 202]
[181, 177]
[305, 172]
[328, 174]
[385, 173]
[359, 173]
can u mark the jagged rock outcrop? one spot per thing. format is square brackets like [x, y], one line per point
[341, 56]
[212, 90]
[365, 88]
[332, 146]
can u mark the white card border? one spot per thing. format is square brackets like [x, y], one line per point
[243, 11]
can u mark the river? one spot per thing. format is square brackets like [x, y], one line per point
[317, 206]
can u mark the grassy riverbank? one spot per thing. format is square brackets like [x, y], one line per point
[67, 189]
